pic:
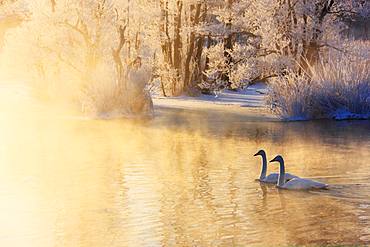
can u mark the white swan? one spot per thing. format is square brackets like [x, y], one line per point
[273, 177]
[295, 183]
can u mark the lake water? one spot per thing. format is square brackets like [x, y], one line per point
[181, 179]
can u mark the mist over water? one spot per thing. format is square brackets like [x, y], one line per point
[182, 178]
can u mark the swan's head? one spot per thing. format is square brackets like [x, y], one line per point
[261, 152]
[278, 159]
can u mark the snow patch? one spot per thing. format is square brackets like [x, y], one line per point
[252, 96]
[296, 118]
[344, 114]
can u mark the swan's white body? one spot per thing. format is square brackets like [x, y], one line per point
[296, 183]
[302, 184]
[273, 177]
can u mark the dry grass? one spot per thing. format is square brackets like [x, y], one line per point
[338, 87]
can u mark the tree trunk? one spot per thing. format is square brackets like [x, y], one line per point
[228, 46]
[312, 50]
[53, 4]
[165, 38]
[194, 20]
[177, 45]
[198, 72]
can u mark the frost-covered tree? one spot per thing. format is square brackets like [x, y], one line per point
[12, 13]
[299, 29]
[179, 66]
[186, 46]
[263, 39]
[92, 50]
[233, 59]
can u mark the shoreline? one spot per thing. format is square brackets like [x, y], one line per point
[247, 104]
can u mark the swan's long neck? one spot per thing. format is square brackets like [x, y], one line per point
[281, 180]
[264, 166]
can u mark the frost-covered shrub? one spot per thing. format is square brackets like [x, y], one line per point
[338, 87]
[107, 99]
[244, 67]
[168, 81]
[216, 67]
[290, 96]
[344, 87]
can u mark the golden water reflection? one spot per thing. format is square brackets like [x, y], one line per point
[179, 181]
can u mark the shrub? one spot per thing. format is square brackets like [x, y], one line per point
[337, 87]
[108, 99]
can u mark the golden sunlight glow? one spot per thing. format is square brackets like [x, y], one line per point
[135, 123]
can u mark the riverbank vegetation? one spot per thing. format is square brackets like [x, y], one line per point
[336, 87]
[106, 55]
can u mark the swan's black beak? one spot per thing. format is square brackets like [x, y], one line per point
[278, 159]
[261, 152]
[274, 160]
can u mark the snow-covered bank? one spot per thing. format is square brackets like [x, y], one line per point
[246, 105]
[249, 102]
